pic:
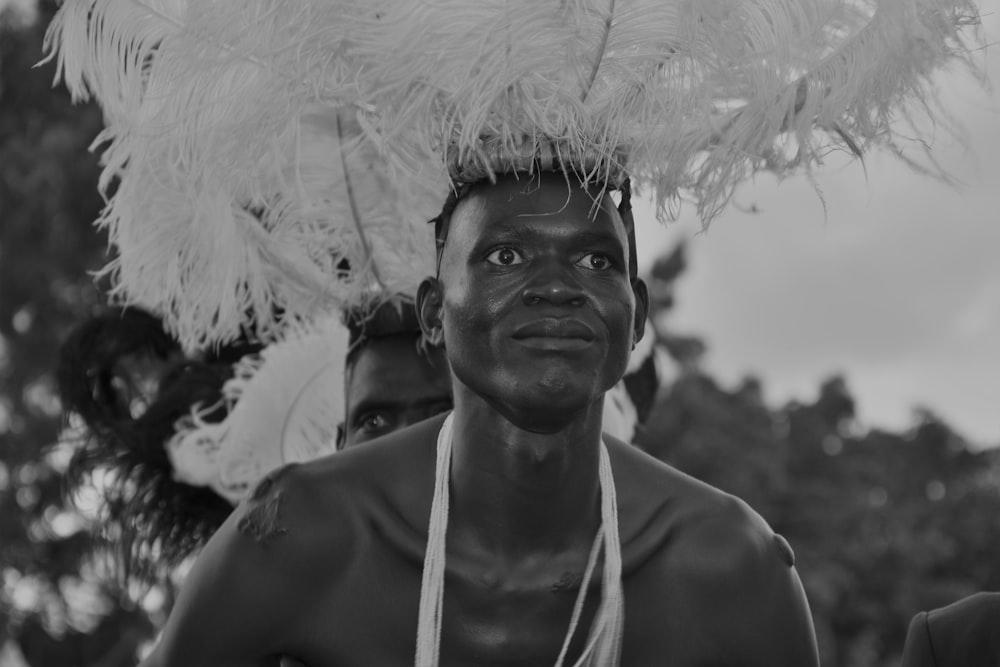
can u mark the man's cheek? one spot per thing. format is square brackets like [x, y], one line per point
[474, 311]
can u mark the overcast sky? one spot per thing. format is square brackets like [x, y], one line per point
[896, 285]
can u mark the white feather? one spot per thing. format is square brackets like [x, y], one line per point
[339, 119]
[105, 48]
[241, 192]
[288, 404]
[699, 94]
[284, 407]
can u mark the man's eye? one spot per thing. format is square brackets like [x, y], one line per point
[374, 422]
[504, 257]
[595, 261]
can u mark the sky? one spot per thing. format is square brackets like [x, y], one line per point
[895, 285]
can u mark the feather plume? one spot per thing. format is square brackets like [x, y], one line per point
[125, 385]
[289, 404]
[105, 47]
[326, 228]
[244, 196]
[150, 518]
[284, 406]
[253, 143]
[697, 95]
[95, 356]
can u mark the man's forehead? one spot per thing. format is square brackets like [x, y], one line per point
[383, 360]
[491, 206]
[398, 380]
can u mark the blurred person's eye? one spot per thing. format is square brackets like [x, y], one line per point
[373, 422]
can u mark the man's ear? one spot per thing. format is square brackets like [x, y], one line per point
[429, 302]
[641, 309]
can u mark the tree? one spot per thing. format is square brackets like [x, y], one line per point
[48, 200]
[883, 524]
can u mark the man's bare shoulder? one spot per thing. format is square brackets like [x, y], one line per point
[319, 506]
[283, 556]
[709, 562]
[698, 525]
[399, 461]
[295, 515]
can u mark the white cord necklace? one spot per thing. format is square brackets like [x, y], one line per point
[604, 644]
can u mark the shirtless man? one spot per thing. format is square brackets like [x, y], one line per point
[537, 311]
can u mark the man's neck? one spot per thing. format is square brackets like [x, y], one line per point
[521, 494]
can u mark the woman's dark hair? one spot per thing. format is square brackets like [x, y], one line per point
[150, 520]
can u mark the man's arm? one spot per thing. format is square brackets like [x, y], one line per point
[751, 591]
[780, 630]
[239, 604]
[918, 650]
[962, 633]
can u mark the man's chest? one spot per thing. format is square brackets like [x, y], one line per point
[370, 617]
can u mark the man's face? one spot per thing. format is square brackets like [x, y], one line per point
[392, 385]
[537, 310]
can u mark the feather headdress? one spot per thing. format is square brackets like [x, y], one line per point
[690, 97]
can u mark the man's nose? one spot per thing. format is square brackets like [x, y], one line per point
[553, 283]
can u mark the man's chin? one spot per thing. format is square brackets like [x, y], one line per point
[547, 409]
[541, 421]
[539, 397]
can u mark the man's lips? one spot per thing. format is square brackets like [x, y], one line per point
[558, 332]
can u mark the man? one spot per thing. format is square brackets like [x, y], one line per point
[537, 311]
[963, 634]
[391, 380]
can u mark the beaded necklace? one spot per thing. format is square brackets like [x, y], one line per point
[604, 644]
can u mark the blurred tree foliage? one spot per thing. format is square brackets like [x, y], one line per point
[883, 524]
[53, 603]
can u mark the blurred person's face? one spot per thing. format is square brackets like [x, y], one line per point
[392, 385]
